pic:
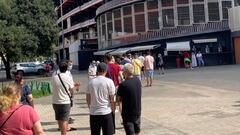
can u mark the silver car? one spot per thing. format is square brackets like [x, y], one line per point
[28, 68]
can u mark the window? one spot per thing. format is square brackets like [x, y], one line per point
[128, 24]
[153, 4]
[225, 6]
[153, 20]
[237, 2]
[168, 17]
[140, 23]
[139, 7]
[198, 13]
[167, 3]
[182, 2]
[103, 26]
[127, 10]
[183, 16]
[109, 16]
[213, 11]
[197, 0]
[117, 20]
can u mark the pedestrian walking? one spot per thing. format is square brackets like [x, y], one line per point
[148, 65]
[137, 64]
[160, 64]
[200, 59]
[100, 99]
[129, 94]
[63, 89]
[142, 58]
[92, 70]
[26, 94]
[194, 60]
[15, 118]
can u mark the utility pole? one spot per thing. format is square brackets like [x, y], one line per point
[63, 41]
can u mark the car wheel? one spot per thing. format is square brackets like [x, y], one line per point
[20, 72]
[40, 71]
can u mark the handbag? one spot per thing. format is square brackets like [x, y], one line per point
[71, 101]
[9, 117]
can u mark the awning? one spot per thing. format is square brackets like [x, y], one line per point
[120, 51]
[210, 40]
[102, 52]
[178, 46]
[141, 48]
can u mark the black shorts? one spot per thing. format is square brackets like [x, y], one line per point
[62, 111]
[132, 125]
[104, 122]
[142, 68]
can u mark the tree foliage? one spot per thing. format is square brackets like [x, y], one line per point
[27, 29]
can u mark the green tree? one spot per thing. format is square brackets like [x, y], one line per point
[27, 29]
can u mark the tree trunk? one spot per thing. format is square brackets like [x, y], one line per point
[6, 62]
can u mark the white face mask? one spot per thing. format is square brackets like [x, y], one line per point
[70, 67]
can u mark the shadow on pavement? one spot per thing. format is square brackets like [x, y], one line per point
[81, 103]
[79, 114]
[49, 123]
[56, 129]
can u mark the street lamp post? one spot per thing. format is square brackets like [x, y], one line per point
[63, 41]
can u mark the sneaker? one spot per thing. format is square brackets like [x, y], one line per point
[71, 120]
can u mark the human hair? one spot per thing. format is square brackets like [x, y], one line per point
[63, 66]
[148, 52]
[108, 57]
[9, 97]
[128, 69]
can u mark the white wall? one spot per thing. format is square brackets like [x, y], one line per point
[234, 18]
[73, 52]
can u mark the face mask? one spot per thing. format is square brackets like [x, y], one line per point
[70, 67]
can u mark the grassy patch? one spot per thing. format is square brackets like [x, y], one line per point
[39, 93]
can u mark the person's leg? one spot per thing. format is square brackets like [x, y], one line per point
[129, 128]
[137, 126]
[63, 125]
[107, 125]
[151, 77]
[95, 125]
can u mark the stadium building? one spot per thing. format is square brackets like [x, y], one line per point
[169, 27]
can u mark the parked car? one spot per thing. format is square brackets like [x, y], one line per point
[28, 68]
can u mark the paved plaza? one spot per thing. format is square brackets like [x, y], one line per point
[203, 101]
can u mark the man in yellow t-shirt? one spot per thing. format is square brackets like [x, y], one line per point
[137, 64]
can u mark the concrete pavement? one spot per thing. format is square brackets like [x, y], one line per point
[203, 101]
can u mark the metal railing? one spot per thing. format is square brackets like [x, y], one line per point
[113, 4]
[79, 25]
[79, 9]
[171, 32]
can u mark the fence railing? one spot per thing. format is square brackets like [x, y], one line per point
[171, 32]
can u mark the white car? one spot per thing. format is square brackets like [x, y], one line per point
[28, 68]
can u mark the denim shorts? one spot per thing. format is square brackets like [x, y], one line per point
[149, 73]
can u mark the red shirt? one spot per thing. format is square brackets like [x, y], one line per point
[20, 123]
[186, 55]
[114, 70]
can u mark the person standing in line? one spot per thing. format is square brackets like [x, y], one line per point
[142, 58]
[15, 118]
[26, 94]
[129, 94]
[137, 64]
[125, 60]
[200, 59]
[149, 67]
[63, 89]
[92, 70]
[194, 60]
[100, 99]
[160, 64]
[113, 70]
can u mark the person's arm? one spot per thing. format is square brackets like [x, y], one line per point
[119, 100]
[30, 100]
[111, 98]
[88, 99]
[37, 128]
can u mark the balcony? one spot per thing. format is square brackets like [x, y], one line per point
[63, 4]
[114, 4]
[78, 26]
[170, 33]
[79, 9]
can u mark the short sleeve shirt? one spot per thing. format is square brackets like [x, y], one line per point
[114, 70]
[21, 122]
[137, 64]
[25, 93]
[130, 91]
[60, 96]
[100, 88]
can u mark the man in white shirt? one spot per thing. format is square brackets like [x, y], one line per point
[100, 99]
[63, 87]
